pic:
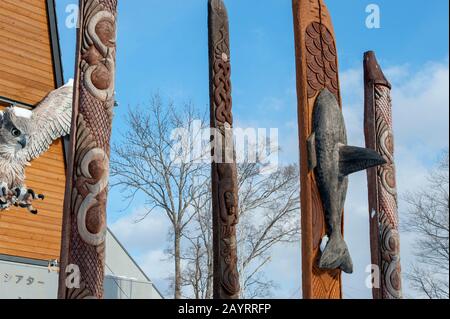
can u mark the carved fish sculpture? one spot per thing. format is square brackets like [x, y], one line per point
[333, 161]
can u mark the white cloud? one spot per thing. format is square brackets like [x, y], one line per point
[421, 115]
[159, 268]
[285, 270]
[149, 233]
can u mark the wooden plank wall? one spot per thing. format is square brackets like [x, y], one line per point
[26, 70]
[26, 75]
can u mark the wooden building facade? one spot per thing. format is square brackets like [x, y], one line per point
[30, 67]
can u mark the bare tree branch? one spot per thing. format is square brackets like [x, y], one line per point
[269, 215]
[428, 218]
[142, 164]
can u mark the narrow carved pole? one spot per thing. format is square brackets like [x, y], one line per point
[384, 235]
[317, 69]
[84, 221]
[224, 179]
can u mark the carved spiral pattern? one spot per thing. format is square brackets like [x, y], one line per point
[92, 125]
[98, 51]
[387, 198]
[91, 224]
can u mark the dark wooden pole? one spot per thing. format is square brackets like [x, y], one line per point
[224, 180]
[84, 220]
[317, 68]
[384, 235]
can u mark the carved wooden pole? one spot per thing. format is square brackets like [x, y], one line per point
[224, 179]
[317, 68]
[84, 221]
[384, 235]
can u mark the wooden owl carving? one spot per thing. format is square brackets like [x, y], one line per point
[24, 136]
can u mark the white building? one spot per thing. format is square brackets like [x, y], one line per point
[23, 278]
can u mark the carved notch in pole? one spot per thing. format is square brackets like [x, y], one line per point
[384, 234]
[84, 219]
[224, 179]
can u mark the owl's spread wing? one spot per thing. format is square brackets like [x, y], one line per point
[51, 120]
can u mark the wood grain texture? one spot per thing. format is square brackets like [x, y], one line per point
[317, 68]
[26, 75]
[23, 234]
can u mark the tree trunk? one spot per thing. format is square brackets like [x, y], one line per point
[209, 289]
[177, 249]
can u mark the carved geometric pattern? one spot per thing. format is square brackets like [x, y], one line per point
[387, 197]
[326, 284]
[315, 9]
[224, 178]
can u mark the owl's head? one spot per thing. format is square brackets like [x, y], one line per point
[15, 125]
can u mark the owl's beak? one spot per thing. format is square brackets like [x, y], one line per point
[23, 142]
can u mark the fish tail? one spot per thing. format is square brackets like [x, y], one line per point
[336, 255]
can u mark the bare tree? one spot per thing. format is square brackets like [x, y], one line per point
[429, 219]
[269, 215]
[198, 274]
[144, 163]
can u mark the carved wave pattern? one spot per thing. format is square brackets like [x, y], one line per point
[321, 60]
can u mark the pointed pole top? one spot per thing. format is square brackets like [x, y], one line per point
[372, 70]
[218, 6]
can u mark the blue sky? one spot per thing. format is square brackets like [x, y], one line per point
[162, 47]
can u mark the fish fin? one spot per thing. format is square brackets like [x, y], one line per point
[353, 159]
[336, 256]
[312, 157]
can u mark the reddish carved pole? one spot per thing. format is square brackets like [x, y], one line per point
[384, 235]
[317, 69]
[84, 221]
[224, 180]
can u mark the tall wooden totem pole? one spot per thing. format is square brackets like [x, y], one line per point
[325, 158]
[84, 221]
[224, 178]
[317, 68]
[384, 235]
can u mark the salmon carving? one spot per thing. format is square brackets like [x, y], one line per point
[333, 160]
